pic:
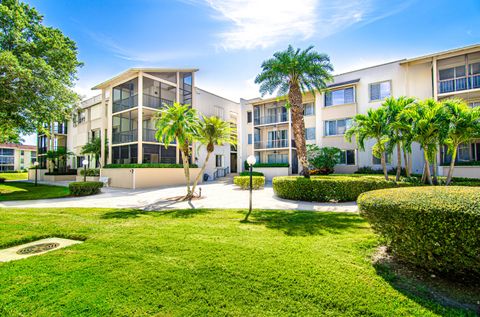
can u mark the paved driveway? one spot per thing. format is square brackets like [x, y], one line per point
[214, 195]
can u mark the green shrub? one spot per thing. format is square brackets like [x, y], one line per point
[90, 172]
[12, 172]
[370, 170]
[437, 228]
[67, 172]
[84, 188]
[253, 173]
[148, 165]
[246, 167]
[244, 181]
[328, 188]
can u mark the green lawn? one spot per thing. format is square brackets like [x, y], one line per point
[26, 191]
[14, 176]
[199, 262]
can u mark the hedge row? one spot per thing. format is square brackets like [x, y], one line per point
[148, 165]
[91, 172]
[84, 188]
[244, 182]
[329, 188]
[253, 173]
[246, 166]
[437, 228]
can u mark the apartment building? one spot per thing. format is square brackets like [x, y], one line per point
[16, 157]
[123, 117]
[453, 73]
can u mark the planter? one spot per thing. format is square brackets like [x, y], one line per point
[59, 178]
[40, 174]
[271, 172]
[147, 177]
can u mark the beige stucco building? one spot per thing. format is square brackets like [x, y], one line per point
[16, 157]
[453, 73]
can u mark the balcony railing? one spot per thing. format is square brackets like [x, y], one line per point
[458, 84]
[155, 101]
[281, 117]
[126, 103]
[125, 137]
[271, 144]
[149, 136]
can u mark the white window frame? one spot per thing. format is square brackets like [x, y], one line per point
[344, 103]
[312, 104]
[222, 161]
[336, 126]
[314, 134]
[354, 158]
[379, 83]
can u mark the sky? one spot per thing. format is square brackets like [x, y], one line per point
[228, 39]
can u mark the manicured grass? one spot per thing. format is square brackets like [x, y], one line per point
[199, 262]
[14, 176]
[27, 191]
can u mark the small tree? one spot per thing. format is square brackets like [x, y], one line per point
[213, 131]
[463, 126]
[371, 126]
[324, 159]
[179, 123]
[93, 147]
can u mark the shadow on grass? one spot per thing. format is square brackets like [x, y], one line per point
[135, 213]
[307, 223]
[444, 296]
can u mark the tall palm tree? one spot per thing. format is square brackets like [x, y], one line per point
[93, 147]
[429, 128]
[178, 123]
[398, 130]
[293, 72]
[213, 131]
[464, 125]
[371, 126]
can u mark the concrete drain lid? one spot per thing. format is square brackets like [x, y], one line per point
[37, 248]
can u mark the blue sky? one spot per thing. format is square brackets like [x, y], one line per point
[228, 39]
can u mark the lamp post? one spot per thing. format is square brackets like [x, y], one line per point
[85, 163]
[251, 160]
[36, 171]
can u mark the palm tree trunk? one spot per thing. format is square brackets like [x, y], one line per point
[186, 168]
[428, 178]
[197, 179]
[435, 170]
[399, 162]
[384, 165]
[452, 166]
[298, 126]
[405, 158]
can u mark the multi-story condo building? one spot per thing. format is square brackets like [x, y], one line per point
[454, 73]
[123, 116]
[15, 157]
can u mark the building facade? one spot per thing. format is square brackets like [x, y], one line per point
[268, 132]
[17, 157]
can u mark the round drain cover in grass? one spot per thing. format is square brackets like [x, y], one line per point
[37, 248]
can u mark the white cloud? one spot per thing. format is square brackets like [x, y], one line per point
[263, 23]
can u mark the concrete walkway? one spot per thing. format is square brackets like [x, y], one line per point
[214, 195]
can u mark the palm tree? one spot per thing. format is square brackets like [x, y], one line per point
[428, 128]
[93, 147]
[398, 130]
[213, 131]
[294, 72]
[371, 126]
[463, 126]
[178, 123]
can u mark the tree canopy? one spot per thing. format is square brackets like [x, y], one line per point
[38, 67]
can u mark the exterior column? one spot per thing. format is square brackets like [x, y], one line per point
[110, 124]
[140, 118]
[435, 78]
[102, 131]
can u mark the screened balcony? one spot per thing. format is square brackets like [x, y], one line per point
[125, 96]
[125, 136]
[271, 144]
[465, 75]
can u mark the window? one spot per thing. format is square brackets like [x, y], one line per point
[452, 79]
[249, 117]
[380, 91]
[218, 112]
[347, 157]
[474, 104]
[309, 109]
[277, 158]
[22, 152]
[377, 161]
[464, 152]
[337, 127]
[249, 138]
[310, 134]
[218, 160]
[340, 97]
[7, 159]
[81, 116]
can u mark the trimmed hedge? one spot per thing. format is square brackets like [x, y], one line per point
[67, 172]
[84, 188]
[329, 188]
[244, 182]
[253, 173]
[91, 172]
[437, 228]
[2, 180]
[148, 165]
[246, 166]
